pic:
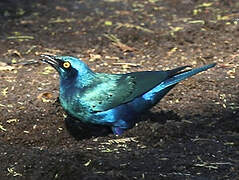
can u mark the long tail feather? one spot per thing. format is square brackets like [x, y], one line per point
[175, 71]
[179, 77]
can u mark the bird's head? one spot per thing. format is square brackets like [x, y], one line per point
[66, 66]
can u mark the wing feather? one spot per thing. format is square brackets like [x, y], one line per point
[113, 90]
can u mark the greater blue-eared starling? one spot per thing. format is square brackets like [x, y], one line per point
[114, 100]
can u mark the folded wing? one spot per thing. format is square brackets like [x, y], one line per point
[119, 89]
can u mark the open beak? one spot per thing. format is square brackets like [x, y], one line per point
[52, 60]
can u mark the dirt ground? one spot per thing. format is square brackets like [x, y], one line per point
[193, 133]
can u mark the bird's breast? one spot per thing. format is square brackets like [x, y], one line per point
[72, 104]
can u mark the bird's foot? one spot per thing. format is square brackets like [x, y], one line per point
[117, 130]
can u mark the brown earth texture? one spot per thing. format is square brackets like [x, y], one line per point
[193, 133]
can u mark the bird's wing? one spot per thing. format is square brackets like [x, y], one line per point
[120, 89]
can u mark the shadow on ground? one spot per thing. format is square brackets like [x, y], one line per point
[80, 130]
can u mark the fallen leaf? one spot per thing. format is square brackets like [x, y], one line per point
[175, 29]
[124, 47]
[128, 64]
[4, 91]
[94, 57]
[59, 20]
[20, 37]
[2, 128]
[48, 70]
[196, 21]
[5, 67]
[205, 5]
[12, 120]
[222, 18]
[45, 95]
[87, 163]
[119, 44]
[13, 52]
[127, 25]
[172, 51]
[61, 8]
[108, 23]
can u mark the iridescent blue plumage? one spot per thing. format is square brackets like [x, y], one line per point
[114, 100]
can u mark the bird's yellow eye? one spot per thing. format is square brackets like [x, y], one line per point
[66, 64]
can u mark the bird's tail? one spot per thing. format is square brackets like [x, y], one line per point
[183, 75]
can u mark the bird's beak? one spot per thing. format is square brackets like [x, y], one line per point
[51, 59]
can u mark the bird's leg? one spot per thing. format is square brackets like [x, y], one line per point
[117, 130]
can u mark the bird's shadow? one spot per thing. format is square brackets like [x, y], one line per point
[80, 130]
[160, 117]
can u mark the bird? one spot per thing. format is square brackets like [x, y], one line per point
[113, 100]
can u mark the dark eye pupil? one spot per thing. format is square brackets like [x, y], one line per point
[66, 65]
